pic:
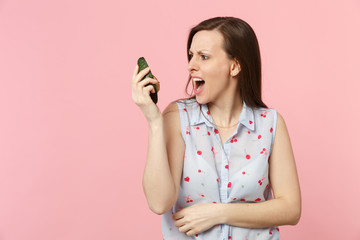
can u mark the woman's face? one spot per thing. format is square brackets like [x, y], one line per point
[210, 63]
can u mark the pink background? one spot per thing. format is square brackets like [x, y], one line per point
[73, 145]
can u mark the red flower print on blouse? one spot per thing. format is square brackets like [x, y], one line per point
[188, 199]
[188, 130]
[213, 151]
[261, 180]
[264, 114]
[264, 151]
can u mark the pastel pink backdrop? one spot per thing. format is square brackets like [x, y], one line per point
[73, 145]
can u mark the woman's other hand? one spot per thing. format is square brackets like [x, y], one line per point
[196, 218]
[141, 94]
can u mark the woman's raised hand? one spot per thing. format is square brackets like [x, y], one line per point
[141, 94]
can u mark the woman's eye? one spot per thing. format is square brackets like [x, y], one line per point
[204, 57]
[190, 56]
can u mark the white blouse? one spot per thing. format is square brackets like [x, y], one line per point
[234, 173]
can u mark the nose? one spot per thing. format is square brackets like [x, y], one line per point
[192, 65]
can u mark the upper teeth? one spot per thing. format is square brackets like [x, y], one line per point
[197, 79]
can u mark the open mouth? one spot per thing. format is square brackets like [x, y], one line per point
[198, 83]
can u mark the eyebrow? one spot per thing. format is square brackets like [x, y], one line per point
[201, 51]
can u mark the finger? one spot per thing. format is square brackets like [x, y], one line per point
[179, 223]
[184, 228]
[141, 74]
[135, 71]
[148, 89]
[177, 215]
[190, 233]
[157, 84]
[146, 81]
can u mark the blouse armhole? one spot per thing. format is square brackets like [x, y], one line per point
[274, 130]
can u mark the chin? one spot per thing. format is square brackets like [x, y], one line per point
[201, 100]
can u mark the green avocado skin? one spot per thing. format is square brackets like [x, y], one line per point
[142, 65]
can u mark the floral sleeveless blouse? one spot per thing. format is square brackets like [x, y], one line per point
[236, 172]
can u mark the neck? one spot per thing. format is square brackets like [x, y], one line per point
[226, 112]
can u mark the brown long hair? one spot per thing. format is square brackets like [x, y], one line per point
[240, 42]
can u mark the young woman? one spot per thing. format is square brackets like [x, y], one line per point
[220, 164]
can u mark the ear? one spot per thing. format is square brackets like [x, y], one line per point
[235, 68]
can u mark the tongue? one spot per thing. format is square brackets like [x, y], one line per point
[200, 83]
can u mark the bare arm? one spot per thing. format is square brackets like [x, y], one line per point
[166, 147]
[164, 162]
[284, 209]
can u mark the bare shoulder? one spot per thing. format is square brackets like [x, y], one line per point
[172, 109]
[282, 156]
[281, 128]
[280, 119]
[171, 117]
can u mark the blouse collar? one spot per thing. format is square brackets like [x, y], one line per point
[202, 115]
